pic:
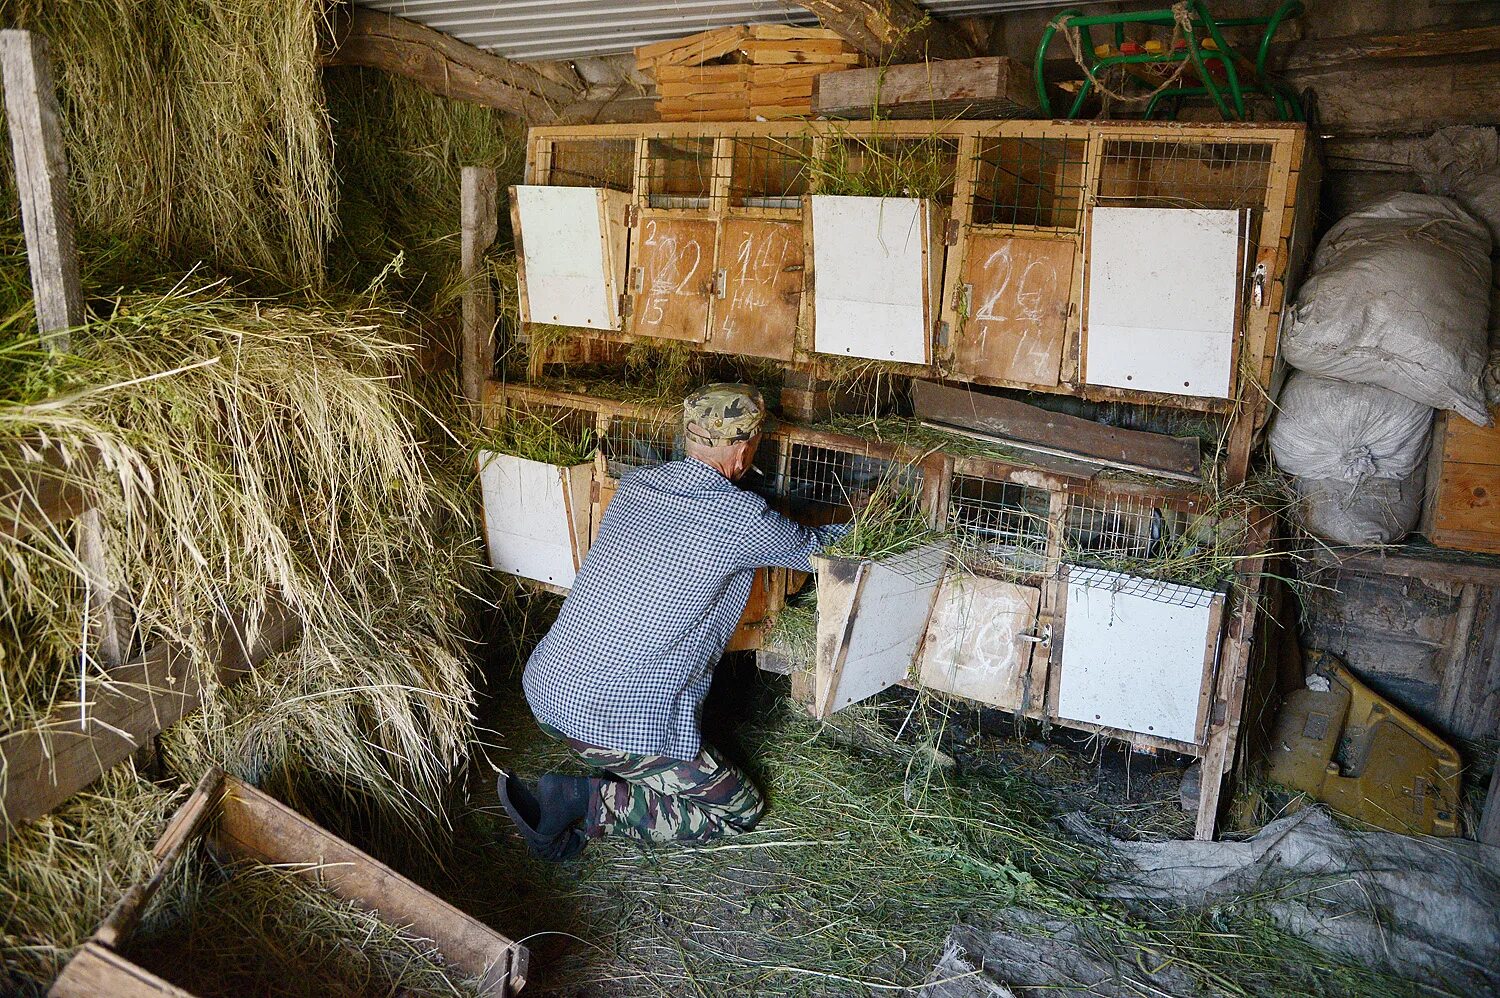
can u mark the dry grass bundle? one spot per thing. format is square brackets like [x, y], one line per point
[62, 874]
[890, 521]
[868, 166]
[246, 450]
[196, 128]
[398, 153]
[561, 438]
[247, 928]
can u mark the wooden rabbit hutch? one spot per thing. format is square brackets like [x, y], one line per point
[1132, 264]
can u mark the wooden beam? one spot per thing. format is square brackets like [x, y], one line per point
[892, 30]
[34, 117]
[44, 766]
[480, 221]
[987, 87]
[1027, 426]
[42, 180]
[1489, 825]
[444, 65]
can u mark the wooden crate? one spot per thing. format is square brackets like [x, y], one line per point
[1462, 508]
[742, 73]
[240, 822]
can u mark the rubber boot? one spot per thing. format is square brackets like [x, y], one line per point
[545, 834]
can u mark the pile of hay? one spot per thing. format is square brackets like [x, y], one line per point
[195, 129]
[243, 452]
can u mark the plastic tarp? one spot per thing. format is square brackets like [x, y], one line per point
[1425, 909]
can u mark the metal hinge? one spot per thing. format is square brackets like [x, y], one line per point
[632, 214]
[1219, 713]
[721, 283]
[950, 233]
[624, 305]
[942, 336]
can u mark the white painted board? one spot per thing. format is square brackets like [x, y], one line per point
[974, 646]
[868, 287]
[564, 253]
[871, 619]
[536, 516]
[1162, 289]
[1133, 653]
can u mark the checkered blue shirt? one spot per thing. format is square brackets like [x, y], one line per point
[630, 658]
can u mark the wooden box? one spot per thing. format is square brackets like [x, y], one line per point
[240, 822]
[1462, 508]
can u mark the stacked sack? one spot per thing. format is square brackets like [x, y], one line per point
[1391, 326]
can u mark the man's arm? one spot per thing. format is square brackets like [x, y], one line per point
[774, 539]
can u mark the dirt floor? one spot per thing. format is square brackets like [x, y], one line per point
[849, 886]
[887, 827]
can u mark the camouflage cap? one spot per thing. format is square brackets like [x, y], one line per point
[720, 414]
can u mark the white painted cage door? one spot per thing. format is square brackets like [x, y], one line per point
[1162, 288]
[1134, 653]
[565, 256]
[869, 292]
[536, 516]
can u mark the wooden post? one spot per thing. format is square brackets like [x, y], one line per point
[42, 180]
[480, 221]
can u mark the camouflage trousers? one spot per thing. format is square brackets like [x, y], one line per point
[653, 798]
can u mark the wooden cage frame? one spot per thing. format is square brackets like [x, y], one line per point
[1227, 674]
[1282, 208]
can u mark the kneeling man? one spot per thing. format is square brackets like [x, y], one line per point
[622, 674]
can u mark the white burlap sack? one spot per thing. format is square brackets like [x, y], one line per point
[1399, 298]
[1359, 454]
[1463, 163]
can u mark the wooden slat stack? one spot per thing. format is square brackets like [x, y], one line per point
[742, 73]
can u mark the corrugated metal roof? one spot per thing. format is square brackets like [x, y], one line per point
[565, 29]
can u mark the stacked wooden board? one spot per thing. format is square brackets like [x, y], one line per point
[742, 73]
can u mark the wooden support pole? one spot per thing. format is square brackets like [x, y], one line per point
[480, 220]
[42, 179]
[891, 31]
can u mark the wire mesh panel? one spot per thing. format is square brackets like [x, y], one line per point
[678, 171]
[1029, 181]
[632, 443]
[1000, 527]
[1110, 528]
[770, 171]
[1183, 173]
[823, 483]
[861, 166]
[592, 163]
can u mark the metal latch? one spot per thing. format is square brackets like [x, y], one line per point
[1258, 286]
[1044, 638]
[637, 279]
[950, 233]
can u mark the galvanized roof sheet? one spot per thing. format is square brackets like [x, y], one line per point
[565, 29]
